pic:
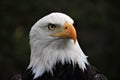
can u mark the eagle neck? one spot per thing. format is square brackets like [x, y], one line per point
[45, 56]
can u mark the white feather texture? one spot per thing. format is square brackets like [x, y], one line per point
[47, 50]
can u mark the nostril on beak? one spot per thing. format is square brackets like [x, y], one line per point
[66, 27]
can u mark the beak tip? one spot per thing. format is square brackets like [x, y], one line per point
[74, 41]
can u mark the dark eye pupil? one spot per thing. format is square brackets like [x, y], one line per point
[51, 26]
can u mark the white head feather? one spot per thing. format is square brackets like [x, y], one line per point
[47, 50]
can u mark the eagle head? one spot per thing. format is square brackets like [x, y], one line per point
[53, 39]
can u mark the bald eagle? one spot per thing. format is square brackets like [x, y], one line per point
[55, 52]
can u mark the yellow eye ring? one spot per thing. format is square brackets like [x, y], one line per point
[51, 27]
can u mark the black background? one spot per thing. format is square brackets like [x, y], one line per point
[97, 23]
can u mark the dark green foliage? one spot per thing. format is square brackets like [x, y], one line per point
[97, 23]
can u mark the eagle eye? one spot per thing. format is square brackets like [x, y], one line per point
[51, 27]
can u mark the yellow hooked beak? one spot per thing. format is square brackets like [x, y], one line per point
[68, 32]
